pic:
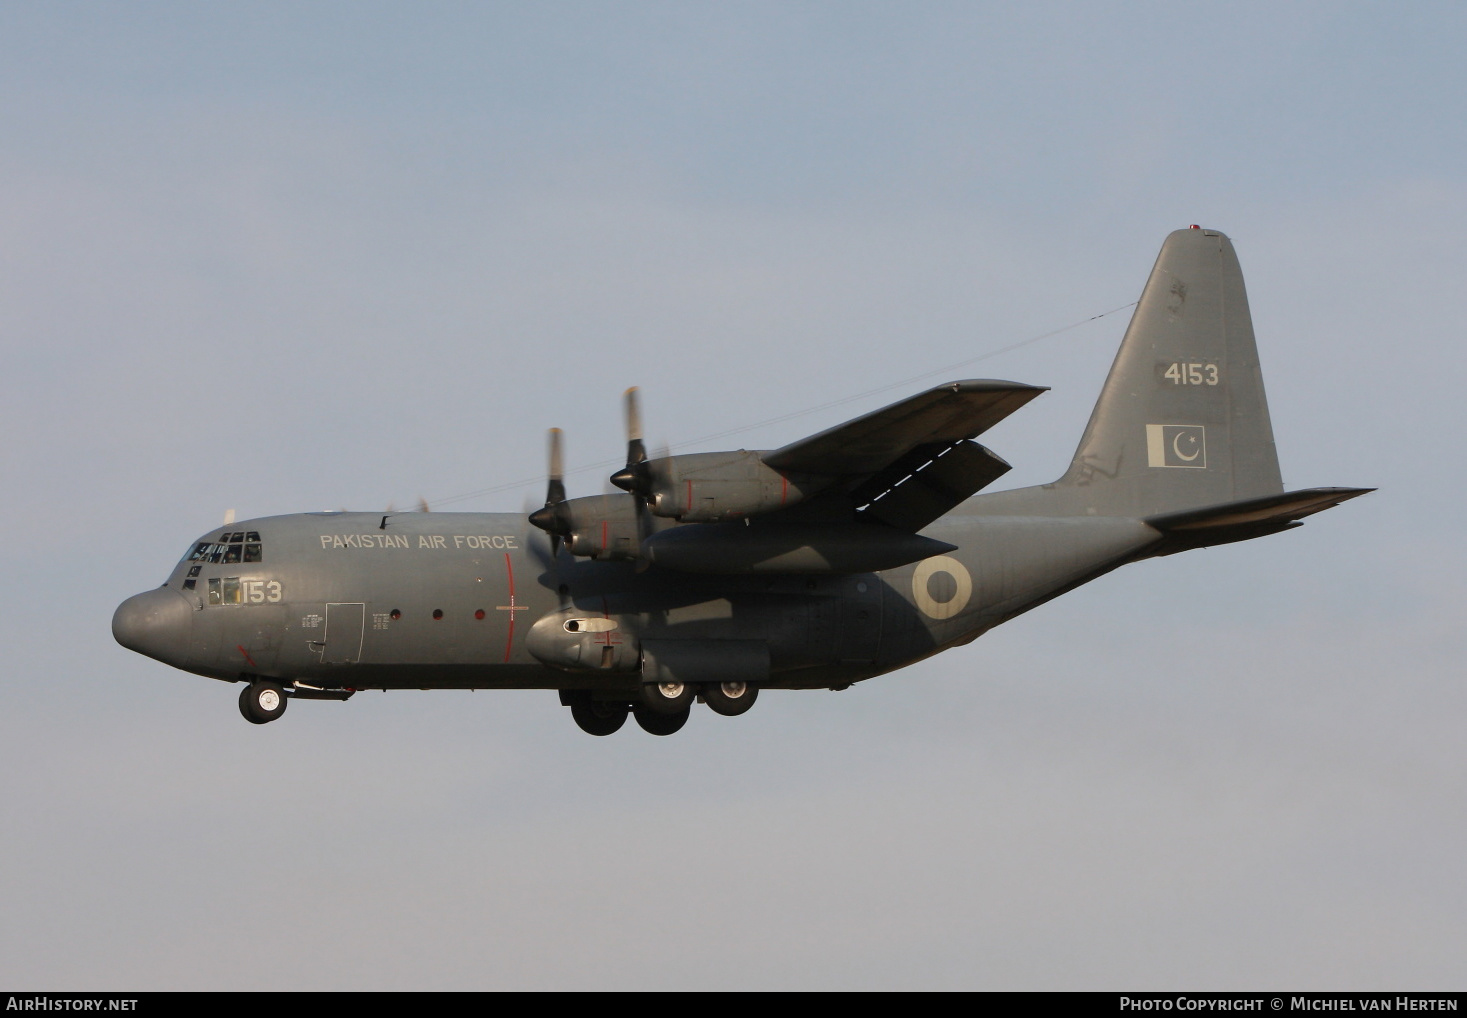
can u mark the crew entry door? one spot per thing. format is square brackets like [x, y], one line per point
[344, 629]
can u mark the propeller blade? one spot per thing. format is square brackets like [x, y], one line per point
[423, 505]
[635, 452]
[556, 492]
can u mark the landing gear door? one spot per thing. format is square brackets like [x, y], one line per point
[343, 636]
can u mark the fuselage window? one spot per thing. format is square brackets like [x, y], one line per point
[214, 596]
[189, 583]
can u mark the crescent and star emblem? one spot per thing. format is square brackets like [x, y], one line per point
[1177, 448]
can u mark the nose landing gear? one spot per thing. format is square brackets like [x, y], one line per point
[262, 702]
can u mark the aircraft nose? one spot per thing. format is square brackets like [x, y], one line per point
[155, 623]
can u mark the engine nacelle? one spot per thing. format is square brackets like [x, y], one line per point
[713, 486]
[602, 527]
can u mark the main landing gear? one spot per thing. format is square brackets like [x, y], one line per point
[729, 698]
[663, 708]
[599, 717]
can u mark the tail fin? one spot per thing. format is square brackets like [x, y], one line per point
[1182, 421]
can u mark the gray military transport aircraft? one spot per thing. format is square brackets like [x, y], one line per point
[834, 559]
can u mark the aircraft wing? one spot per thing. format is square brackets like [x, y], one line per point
[940, 416]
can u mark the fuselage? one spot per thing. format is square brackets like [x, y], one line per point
[470, 600]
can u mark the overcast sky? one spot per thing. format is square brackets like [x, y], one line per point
[281, 257]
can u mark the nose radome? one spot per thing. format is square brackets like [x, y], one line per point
[155, 623]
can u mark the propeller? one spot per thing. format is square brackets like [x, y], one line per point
[551, 517]
[635, 477]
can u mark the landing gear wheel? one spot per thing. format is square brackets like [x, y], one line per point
[599, 717]
[262, 702]
[729, 698]
[660, 722]
[668, 697]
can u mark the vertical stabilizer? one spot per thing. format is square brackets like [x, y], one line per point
[1182, 421]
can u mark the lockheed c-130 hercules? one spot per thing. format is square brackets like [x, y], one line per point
[712, 576]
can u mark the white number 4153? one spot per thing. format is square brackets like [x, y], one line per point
[1191, 374]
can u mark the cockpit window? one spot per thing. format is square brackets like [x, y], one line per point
[241, 546]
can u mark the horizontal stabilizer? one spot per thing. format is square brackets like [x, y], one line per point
[943, 415]
[1239, 521]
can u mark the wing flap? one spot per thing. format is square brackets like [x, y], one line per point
[940, 416]
[927, 482]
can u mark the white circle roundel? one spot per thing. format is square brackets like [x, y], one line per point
[931, 607]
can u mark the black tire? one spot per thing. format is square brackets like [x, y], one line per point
[668, 697]
[599, 717]
[660, 722]
[262, 702]
[730, 698]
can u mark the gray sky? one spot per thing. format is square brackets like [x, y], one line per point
[278, 257]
